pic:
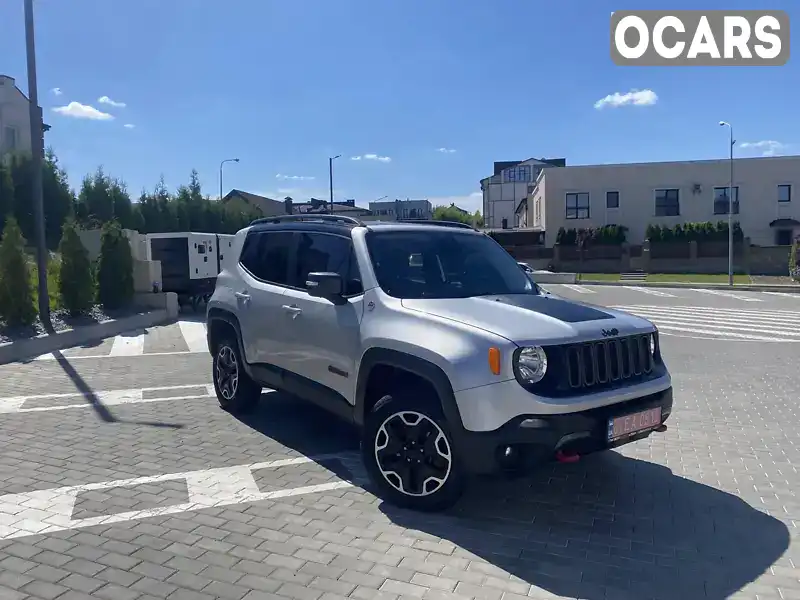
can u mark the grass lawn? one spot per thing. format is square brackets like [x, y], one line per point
[670, 277]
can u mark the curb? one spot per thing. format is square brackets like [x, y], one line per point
[744, 287]
[21, 350]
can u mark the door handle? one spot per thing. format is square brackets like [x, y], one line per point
[294, 310]
[244, 296]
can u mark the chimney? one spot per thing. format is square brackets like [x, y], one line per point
[287, 203]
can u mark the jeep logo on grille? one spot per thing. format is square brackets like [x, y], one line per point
[610, 332]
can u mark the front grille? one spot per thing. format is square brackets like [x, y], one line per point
[601, 362]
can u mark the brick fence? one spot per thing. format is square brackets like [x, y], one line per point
[658, 257]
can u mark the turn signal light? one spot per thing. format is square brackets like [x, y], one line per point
[494, 360]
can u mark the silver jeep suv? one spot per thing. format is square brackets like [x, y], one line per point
[430, 338]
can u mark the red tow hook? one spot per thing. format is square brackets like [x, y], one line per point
[567, 458]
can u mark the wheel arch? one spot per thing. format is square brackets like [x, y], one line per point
[430, 373]
[219, 320]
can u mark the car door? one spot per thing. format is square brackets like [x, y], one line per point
[325, 337]
[264, 272]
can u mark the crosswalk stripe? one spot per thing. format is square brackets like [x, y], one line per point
[752, 325]
[194, 334]
[727, 295]
[130, 344]
[578, 288]
[649, 291]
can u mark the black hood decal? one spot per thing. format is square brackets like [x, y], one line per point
[563, 310]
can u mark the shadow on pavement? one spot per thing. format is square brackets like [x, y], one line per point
[300, 425]
[100, 409]
[611, 526]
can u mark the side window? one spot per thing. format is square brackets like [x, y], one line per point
[266, 256]
[319, 252]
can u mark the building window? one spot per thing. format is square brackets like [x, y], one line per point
[784, 193]
[530, 189]
[721, 200]
[9, 139]
[578, 205]
[668, 203]
[612, 199]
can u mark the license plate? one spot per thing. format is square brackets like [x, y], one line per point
[629, 424]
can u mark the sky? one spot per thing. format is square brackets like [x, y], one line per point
[418, 97]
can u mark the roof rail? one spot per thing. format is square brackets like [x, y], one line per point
[455, 224]
[319, 218]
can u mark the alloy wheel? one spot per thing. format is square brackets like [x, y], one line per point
[227, 372]
[413, 453]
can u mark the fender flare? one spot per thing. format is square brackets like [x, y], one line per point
[219, 314]
[418, 366]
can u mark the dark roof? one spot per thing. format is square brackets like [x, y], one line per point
[268, 206]
[785, 222]
[502, 165]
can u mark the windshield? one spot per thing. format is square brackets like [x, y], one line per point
[444, 264]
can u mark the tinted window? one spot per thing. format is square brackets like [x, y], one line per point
[443, 264]
[266, 255]
[321, 253]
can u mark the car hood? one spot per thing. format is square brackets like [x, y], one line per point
[528, 319]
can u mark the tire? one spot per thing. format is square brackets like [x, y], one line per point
[236, 392]
[412, 423]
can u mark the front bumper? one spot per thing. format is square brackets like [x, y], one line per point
[535, 439]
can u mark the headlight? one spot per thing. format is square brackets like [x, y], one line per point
[653, 342]
[531, 364]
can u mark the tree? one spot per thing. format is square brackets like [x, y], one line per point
[451, 213]
[75, 284]
[115, 268]
[477, 219]
[16, 294]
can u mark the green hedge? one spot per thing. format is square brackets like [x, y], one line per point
[609, 235]
[694, 232]
[794, 260]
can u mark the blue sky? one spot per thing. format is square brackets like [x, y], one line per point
[284, 84]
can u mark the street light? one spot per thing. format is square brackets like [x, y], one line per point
[330, 178]
[236, 160]
[35, 115]
[730, 206]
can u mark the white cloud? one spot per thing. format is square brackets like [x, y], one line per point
[377, 157]
[632, 98]
[293, 177]
[110, 102]
[446, 150]
[83, 111]
[129, 126]
[56, 91]
[766, 147]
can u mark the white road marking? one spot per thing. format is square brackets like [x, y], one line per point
[733, 324]
[650, 291]
[194, 334]
[128, 344]
[15, 404]
[727, 295]
[49, 511]
[578, 288]
[783, 294]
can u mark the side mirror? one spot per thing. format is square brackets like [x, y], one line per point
[324, 285]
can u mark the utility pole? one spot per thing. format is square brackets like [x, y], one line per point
[37, 166]
[220, 173]
[730, 206]
[330, 179]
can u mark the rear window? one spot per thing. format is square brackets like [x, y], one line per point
[265, 256]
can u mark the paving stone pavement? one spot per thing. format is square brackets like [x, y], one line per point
[706, 510]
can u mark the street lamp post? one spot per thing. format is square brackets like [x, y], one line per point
[36, 126]
[730, 205]
[220, 173]
[330, 179]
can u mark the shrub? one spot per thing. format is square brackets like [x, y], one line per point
[16, 293]
[75, 282]
[607, 235]
[114, 268]
[794, 260]
[698, 232]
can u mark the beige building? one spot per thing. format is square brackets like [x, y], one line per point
[15, 128]
[766, 201]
